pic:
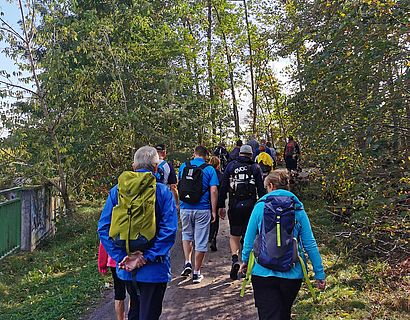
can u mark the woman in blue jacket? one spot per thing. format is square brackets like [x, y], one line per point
[276, 291]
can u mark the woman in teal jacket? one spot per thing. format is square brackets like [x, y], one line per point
[276, 291]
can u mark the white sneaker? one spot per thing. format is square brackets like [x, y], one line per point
[197, 278]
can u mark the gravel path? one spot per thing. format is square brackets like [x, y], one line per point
[216, 297]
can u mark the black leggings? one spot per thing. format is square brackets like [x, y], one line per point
[119, 286]
[274, 296]
[214, 228]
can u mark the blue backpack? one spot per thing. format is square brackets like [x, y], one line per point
[275, 247]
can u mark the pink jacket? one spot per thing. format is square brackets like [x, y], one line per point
[104, 260]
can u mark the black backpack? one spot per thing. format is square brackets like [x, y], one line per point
[242, 182]
[190, 185]
[223, 156]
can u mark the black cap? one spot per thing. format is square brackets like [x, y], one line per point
[160, 147]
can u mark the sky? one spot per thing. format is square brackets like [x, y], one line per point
[11, 16]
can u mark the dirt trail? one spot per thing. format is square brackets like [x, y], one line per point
[216, 297]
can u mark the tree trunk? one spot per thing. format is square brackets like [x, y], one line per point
[210, 76]
[254, 110]
[197, 90]
[41, 96]
[231, 80]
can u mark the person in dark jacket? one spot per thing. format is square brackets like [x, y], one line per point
[291, 155]
[234, 154]
[153, 265]
[214, 228]
[255, 146]
[243, 180]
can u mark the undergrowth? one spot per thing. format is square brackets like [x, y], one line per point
[59, 280]
[360, 284]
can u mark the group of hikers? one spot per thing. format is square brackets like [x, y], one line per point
[139, 222]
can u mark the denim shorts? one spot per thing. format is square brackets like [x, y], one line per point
[195, 227]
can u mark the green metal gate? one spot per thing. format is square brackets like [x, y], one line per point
[10, 221]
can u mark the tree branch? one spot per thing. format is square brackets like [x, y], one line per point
[17, 160]
[19, 87]
[10, 29]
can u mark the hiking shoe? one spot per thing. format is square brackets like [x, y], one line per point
[197, 278]
[187, 270]
[213, 245]
[234, 271]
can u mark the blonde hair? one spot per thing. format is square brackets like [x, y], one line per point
[215, 162]
[279, 179]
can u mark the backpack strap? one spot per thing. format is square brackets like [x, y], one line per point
[305, 274]
[203, 166]
[190, 166]
[248, 276]
[162, 164]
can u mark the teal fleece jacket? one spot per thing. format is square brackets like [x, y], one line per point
[302, 231]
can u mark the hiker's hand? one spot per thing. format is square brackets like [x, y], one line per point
[222, 213]
[243, 268]
[213, 217]
[103, 269]
[134, 261]
[321, 284]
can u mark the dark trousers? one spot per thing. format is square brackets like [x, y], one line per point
[147, 305]
[214, 228]
[274, 296]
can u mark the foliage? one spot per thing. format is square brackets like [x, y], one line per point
[111, 77]
[361, 283]
[351, 109]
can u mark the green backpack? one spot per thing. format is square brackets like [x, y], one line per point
[133, 224]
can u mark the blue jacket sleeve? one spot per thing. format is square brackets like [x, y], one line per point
[251, 231]
[167, 225]
[104, 227]
[310, 246]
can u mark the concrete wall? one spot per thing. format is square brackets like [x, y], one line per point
[37, 216]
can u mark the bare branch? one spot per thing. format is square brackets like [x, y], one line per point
[11, 29]
[19, 87]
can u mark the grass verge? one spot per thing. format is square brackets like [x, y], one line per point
[59, 280]
[357, 287]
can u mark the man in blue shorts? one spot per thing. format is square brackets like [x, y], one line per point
[198, 196]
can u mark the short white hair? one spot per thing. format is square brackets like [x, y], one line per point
[146, 157]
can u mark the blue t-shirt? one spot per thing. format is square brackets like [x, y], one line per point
[209, 179]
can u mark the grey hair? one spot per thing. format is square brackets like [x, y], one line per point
[146, 157]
